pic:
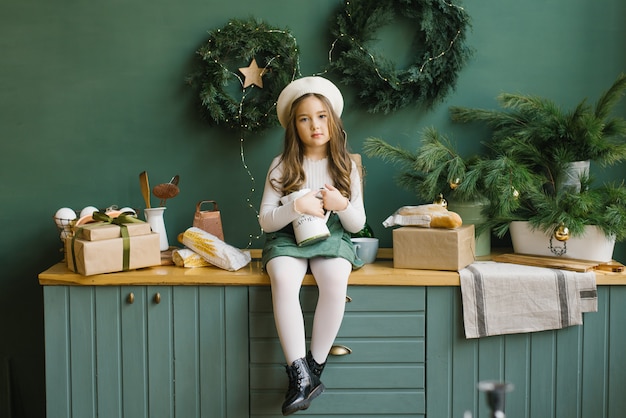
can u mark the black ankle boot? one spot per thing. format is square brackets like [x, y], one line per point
[303, 387]
[314, 366]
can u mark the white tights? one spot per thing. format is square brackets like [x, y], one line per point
[286, 275]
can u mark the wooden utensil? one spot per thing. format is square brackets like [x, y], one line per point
[547, 262]
[145, 188]
[166, 191]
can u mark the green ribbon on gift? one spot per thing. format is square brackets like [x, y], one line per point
[124, 218]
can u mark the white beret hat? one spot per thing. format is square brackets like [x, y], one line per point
[306, 85]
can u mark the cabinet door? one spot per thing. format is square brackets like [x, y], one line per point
[210, 357]
[383, 329]
[145, 345]
[70, 377]
[146, 351]
[577, 371]
[108, 351]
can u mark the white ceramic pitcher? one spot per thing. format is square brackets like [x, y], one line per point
[307, 229]
[154, 216]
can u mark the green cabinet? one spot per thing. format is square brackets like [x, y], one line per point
[384, 373]
[574, 372]
[213, 352]
[146, 351]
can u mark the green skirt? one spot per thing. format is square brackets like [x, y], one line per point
[338, 244]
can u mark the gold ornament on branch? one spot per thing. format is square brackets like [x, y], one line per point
[440, 200]
[561, 233]
[454, 184]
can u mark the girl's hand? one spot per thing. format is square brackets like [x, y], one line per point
[310, 204]
[333, 199]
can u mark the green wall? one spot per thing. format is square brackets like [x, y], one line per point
[93, 93]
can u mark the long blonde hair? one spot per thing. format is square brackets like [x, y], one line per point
[339, 162]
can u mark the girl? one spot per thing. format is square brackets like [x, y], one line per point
[315, 157]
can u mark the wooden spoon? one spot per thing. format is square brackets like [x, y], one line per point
[145, 188]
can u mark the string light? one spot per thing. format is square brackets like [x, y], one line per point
[240, 112]
[420, 67]
[296, 73]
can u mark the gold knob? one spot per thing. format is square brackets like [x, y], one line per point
[157, 298]
[348, 299]
[340, 350]
[130, 298]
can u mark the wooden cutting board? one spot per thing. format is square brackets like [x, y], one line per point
[557, 262]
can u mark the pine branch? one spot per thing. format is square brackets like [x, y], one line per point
[611, 97]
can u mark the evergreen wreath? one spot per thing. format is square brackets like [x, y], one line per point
[235, 46]
[381, 87]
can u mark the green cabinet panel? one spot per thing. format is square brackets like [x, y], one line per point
[108, 350]
[577, 371]
[212, 351]
[347, 403]
[146, 351]
[56, 335]
[134, 348]
[383, 376]
[82, 357]
[364, 350]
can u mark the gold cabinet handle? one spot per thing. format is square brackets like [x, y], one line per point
[348, 299]
[340, 350]
[157, 298]
[130, 298]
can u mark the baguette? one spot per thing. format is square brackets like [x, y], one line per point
[431, 215]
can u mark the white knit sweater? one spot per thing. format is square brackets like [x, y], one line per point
[274, 216]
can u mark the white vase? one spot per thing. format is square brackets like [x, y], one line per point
[471, 213]
[571, 176]
[593, 245]
[154, 216]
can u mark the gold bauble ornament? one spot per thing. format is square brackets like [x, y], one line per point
[454, 184]
[441, 201]
[515, 192]
[561, 233]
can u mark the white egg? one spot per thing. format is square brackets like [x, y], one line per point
[63, 215]
[88, 210]
[127, 209]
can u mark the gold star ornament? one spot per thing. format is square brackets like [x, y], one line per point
[252, 74]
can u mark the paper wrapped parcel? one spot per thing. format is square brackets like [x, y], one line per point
[214, 250]
[99, 231]
[107, 256]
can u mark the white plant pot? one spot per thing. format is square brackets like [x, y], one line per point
[471, 213]
[593, 245]
[571, 177]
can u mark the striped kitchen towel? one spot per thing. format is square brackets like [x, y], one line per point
[503, 298]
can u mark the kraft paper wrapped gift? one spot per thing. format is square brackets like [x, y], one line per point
[433, 248]
[107, 256]
[98, 231]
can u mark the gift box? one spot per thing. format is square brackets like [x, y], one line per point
[98, 231]
[112, 255]
[433, 248]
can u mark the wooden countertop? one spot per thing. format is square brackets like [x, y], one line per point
[380, 273]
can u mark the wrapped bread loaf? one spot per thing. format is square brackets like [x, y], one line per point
[214, 250]
[426, 216]
[184, 257]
